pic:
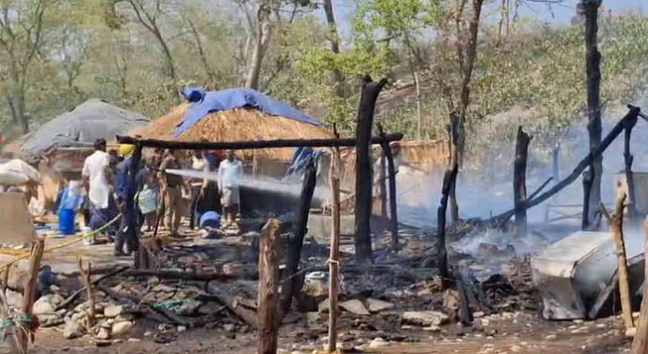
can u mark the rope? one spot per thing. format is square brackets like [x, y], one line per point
[26, 255]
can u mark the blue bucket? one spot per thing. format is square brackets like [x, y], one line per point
[210, 219]
[66, 221]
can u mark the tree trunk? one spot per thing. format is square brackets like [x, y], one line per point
[454, 160]
[338, 78]
[364, 180]
[269, 257]
[449, 179]
[471, 56]
[519, 182]
[593, 61]
[291, 283]
[262, 40]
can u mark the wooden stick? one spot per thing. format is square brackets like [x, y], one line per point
[393, 207]
[195, 276]
[85, 276]
[448, 180]
[268, 287]
[290, 287]
[582, 165]
[250, 145]
[364, 180]
[30, 293]
[640, 341]
[588, 181]
[616, 223]
[519, 182]
[542, 186]
[77, 293]
[334, 266]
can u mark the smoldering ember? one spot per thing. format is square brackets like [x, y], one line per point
[367, 176]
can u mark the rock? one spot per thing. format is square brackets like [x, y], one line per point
[103, 333]
[356, 307]
[182, 329]
[451, 300]
[551, 337]
[377, 343]
[113, 311]
[209, 308]
[73, 329]
[49, 320]
[313, 317]
[425, 318]
[147, 334]
[234, 269]
[121, 327]
[378, 305]
[14, 299]
[189, 308]
[43, 306]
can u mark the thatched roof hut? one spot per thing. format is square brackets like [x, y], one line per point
[238, 124]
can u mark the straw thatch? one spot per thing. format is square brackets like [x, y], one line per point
[240, 124]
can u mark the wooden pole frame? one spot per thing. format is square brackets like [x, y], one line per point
[334, 266]
[519, 182]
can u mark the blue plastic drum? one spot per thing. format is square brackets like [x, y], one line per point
[66, 221]
[210, 219]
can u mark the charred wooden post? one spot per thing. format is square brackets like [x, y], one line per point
[382, 185]
[590, 10]
[269, 259]
[628, 159]
[448, 181]
[454, 157]
[519, 181]
[582, 165]
[616, 223]
[290, 287]
[393, 207]
[253, 144]
[588, 180]
[27, 332]
[334, 266]
[85, 276]
[640, 341]
[364, 181]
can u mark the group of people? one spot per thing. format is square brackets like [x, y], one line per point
[159, 189]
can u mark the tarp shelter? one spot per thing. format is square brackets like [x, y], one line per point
[81, 126]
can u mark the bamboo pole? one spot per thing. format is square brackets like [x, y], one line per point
[640, 341]
[616, 223]
[29, 296]
[269, 257]
[334, 266]
[85, 276]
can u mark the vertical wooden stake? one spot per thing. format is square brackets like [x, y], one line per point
[334, 266]
[393, 207]
[616, 223]
[85, 276]
[449, 180]
[382, 186]
[269, 257]
[519, 182]
[291, 284]
[640, 341]
[588, 180]
[30, 293]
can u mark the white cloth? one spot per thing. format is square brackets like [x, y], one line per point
[94, 169]
[229, 174]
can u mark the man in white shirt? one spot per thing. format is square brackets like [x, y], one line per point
[97, 181]
[229, 175]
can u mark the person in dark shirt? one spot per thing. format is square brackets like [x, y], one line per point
[125, 191]
[171, 190]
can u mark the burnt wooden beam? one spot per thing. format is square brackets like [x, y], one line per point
[254, 144]
[449, 179]
[267, 314]
[519, 181]
[582, 165]
[393, 207]
[291, 284]
[363, 165]
[588, 181]
[628, 159]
